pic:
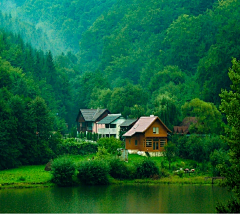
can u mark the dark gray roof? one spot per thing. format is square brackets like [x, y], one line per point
[92, 114]
[128, 122]
[110, 118]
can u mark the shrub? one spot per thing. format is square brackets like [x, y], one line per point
[180, 173]
[102, 154]
[218, 157]
[232, 206]
[63, 170]
[93, 172]
[71, 146]
[164, 173]
[21, 178]
[146, 169]
[111, 144]
[118, 169]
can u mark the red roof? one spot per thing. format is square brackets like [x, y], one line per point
[142, 125]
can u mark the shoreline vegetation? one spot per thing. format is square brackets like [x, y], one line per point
[36, 176]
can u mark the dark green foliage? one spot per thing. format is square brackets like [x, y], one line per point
[170, 152]
[71, 146]
[163, 173]
[118, 169]
[232, 206]
[218, 157]
[73, 132]
[111, 144]
[94, 172]
[146, 169]
[10, 146]
[209, 119]
[197, 147]
[230, 106]
[63, 169]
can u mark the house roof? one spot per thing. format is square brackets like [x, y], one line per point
[91, 114]
[187, 121]
[184, 126]
[128, 122]
[181, 129]
[109, 119]
[142, 125]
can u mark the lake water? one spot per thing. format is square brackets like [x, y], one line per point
[114, 199]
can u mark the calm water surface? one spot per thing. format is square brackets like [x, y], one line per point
[114, 199]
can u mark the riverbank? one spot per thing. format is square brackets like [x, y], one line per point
[36, 176]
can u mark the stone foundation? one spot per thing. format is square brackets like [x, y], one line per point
[142, 153]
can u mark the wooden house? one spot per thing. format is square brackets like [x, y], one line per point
[148, 134]
[87, 119]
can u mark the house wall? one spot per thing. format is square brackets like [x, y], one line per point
[111, 131]
[161, 127]
[130, 142]
[80, 118]
[118, 122]
[97, 126]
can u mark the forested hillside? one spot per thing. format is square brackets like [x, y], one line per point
[130, 56]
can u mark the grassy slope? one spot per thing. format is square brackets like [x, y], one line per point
[34, 176]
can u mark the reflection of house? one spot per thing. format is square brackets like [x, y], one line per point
[110, 125]
[148, 134]
[126, 126]
[184, 126]
[87, 119]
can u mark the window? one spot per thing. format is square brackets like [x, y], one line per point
[106, 125]
[148, 143]
[129, 141]
[162, 143]
[156, 146]
[155, 130]
[112, 125]
[136, 143]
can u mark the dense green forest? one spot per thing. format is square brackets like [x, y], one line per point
[168, 58]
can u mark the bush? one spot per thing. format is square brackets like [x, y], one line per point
[111, 144]
[218, 157]
[93, 172]
[102, 154]
[71, 146]
[118, 169]
[232, 206]
[180, 173]
[163, 173]
[63, 170]
[146, 169]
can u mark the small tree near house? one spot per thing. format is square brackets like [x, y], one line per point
[170, 151]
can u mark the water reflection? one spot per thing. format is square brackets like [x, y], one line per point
[117, 199]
